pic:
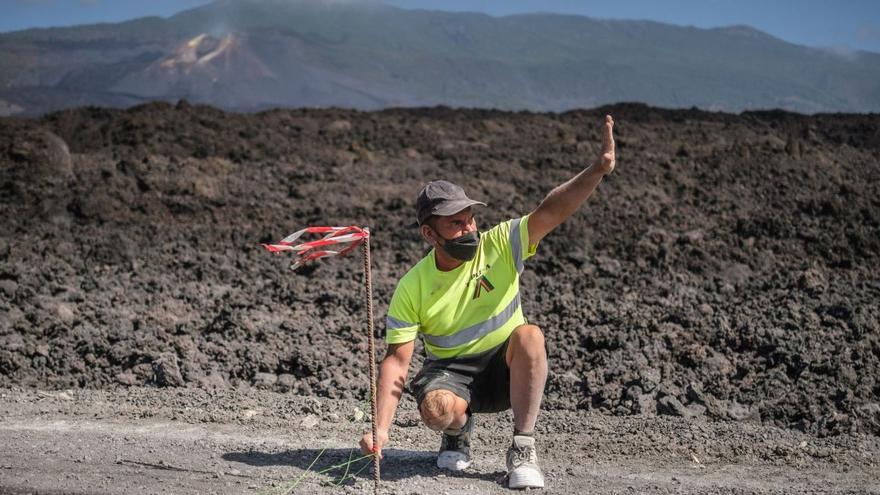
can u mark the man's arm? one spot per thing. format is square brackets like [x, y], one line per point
[392, 377]
[568, 197]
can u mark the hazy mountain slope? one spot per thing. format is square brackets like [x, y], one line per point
[369, 55]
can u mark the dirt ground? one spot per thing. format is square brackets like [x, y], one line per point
[149, 440]
[724, 276]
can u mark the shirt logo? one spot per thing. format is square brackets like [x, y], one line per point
[483, 285]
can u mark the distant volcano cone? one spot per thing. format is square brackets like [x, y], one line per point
[206, 69]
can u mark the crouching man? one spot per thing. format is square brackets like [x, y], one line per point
[463, 299]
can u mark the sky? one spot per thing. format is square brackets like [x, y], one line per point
[841, 24]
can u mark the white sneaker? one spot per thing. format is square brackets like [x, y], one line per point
[522, 464]
[455, 450]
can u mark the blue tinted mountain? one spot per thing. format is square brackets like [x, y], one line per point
[251, 55]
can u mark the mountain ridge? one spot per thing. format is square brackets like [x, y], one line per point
[371, 55]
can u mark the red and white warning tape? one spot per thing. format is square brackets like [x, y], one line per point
[347, 237]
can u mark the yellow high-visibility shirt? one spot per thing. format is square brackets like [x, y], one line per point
[470, 309]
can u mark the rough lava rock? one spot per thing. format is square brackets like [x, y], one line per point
[38, 153]
[722, 271]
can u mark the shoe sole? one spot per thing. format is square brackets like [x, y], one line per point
[530, 479]
[453, 461]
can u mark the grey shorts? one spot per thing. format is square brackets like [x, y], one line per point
[483, 380]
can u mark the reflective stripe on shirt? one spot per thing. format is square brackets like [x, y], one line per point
[392, 322]
[472, 332]
[516, 246]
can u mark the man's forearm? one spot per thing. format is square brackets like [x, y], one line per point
[392, 376]
[565, 199]
[562, 201]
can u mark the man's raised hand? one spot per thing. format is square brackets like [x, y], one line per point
[606, 160]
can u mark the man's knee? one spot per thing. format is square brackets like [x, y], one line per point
[528, 341]
[438, 409]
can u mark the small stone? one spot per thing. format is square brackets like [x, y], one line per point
[608, 266]
[166, 371]
[126, 378]
[311, 405]
[822, 452]
[650, 378]
[338, 126]
[739, 412]
[695, 410]
[286, 382]
[358, 415]
[8, 287]
[812, 281]
[248, 414]
[65, 313]
[309, 421]
[265, 380]
[646, 404]
[719, 364]
[212, 381]
[737, 274]
[671, 406]
[702, 402]
[693, 237]
[363, 154]
[64, 396]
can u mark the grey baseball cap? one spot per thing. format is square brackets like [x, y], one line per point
[443, 198]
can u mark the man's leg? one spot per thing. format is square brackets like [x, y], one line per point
[445, 411]
[527, 360]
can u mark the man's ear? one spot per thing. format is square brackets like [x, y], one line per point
[427, 233]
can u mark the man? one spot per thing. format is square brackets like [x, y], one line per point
[463, 299]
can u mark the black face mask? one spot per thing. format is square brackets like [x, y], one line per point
[462, 248]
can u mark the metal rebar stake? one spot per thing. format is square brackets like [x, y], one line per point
[368, 285]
